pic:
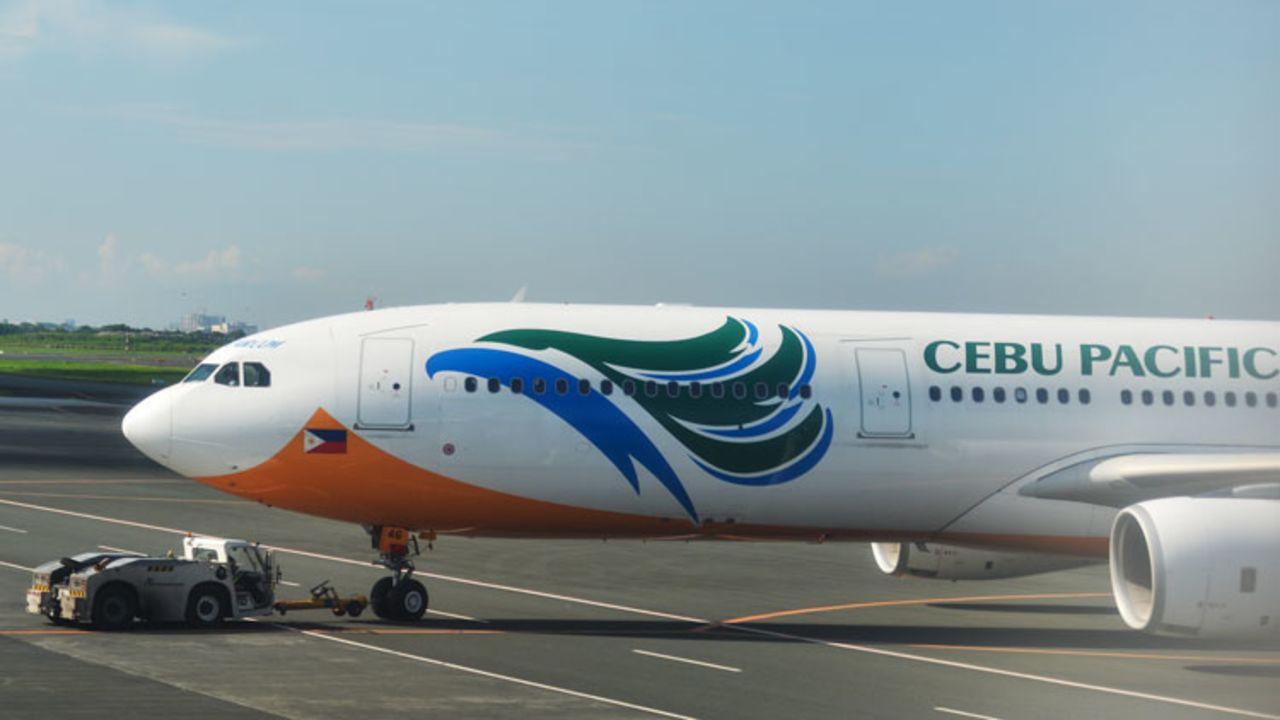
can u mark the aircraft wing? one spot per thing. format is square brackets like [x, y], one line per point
[1122, 480]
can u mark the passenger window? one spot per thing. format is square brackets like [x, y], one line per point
[717, 390]
[739, 390]
[1020, 394]
[256, 375]
[1167, 396]
[628, 387]
[1188, 398]
[562, 386]
[1271, 399]
[606, 387]
[470, 384]
[1251, 399]
[1209, 398]
[1229, 398]
[200, 373]
[957, 394]
[494, 385]
[783, 391]
[1064, 396]
[806, 391]
[998, 395]
[935, 393]
[584, 386]
[978, 394]
[651, 388]
[762, 390]
[1085, 396]
[1042, 396]
[673, 389]
[695, 389]
[228, 375]
[539, 386]
[1126, 397]
[517, 386]
[1148, 397]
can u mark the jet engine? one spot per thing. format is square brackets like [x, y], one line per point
[1208, 567]
[951, 562]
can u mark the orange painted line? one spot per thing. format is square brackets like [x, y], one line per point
[914, 601]
[81, 496]
[1099, 653]
[410, 631]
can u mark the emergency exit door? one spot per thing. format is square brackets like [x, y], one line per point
[885, 393]
[386, 380]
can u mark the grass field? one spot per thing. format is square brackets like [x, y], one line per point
[94, 372]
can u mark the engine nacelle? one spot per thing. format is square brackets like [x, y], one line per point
[1208, 567]
[950, 562]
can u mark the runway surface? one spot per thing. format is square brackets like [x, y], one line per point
[555, 629]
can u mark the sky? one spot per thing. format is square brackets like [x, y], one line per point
[273, 162]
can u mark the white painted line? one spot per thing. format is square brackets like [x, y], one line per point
[488, 674]
[13, 529]
[15, 566]
[290, 584]
[962, 713]
[701, 621]
[121, 550]
[456, 616]
[1009, 673]
[700, 663]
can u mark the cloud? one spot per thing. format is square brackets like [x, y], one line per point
[307, 274]
[312, 135]
[215, 265]
[23, 266]
[920, 261]
[92, 26]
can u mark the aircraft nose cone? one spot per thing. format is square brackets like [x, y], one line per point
[149, 426]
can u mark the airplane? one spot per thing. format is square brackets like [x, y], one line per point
[958, 446]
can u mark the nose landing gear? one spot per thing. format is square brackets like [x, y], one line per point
[399, 596]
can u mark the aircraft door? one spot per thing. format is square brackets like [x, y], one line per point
[884, 392]
[386, 379]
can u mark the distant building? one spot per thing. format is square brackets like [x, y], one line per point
[226, 328]
[200, 322]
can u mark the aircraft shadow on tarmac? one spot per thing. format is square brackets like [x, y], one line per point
[1120, 639]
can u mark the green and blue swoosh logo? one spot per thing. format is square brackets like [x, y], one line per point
[734, 437]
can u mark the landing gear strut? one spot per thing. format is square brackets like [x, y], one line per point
[399, 596]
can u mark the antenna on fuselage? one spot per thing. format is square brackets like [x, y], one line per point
[519, 296]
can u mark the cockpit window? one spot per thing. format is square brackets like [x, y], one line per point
[229, 374]
[256, 375]
[200, 373]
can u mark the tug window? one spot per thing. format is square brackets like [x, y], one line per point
[256, 375]
[200, 373]
[228, 375]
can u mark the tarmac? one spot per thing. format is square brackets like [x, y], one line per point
[555, 629]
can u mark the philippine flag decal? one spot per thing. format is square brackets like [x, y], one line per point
[333, 442]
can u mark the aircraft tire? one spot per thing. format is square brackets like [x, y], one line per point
[378, 599]
[408, 600]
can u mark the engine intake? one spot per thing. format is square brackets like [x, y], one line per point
[1207, 567]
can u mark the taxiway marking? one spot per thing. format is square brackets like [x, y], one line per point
[913, 601]
[121, 550]
[740, 627]
[16, 566]
[689, 661]
[489, 674]
[20, 531]
[962, 713]
[81, 496]
[1103, 653]
[290, 584]
[455, 616]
